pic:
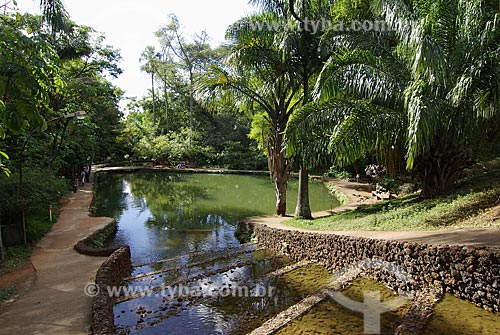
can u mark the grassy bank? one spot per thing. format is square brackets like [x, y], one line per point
[474, 203]
[14, 257]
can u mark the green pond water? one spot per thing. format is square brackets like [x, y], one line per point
[452, 316]
[161, 215]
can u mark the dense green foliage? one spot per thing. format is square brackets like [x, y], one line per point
[38, 195]
[50, 68]
[424, 92]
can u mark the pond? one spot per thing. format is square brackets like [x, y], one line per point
[192, 276]
[162, 215]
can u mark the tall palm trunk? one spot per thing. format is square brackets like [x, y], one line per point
[279, 168]
[303, 209]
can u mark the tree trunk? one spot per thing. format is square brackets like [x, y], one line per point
[279, 169]
[191, 105]
[153, 93]
[166, 107]
[280, 185]
[57, 144]
[440, 168]
[303, 209]
[1, 242]
[21, 196]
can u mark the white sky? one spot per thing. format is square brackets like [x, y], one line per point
[129, 25]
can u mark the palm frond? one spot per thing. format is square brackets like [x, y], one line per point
[55, 14]
[341, 131]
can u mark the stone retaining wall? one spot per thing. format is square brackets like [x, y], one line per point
[85, 246]
[110, 274]
[469, 273]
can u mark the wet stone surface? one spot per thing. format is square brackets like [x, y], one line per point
[188, 271]
[192, 258]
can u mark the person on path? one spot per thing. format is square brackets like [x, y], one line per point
[87, 173]
[369, 175]
[75, 183]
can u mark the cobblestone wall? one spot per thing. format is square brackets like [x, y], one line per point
[469, 273]
[110, 274]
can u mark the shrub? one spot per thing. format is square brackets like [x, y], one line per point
[338, 174]
[42, 189]
[173, 148]
[237, 157]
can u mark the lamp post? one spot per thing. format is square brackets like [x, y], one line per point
[79, 115]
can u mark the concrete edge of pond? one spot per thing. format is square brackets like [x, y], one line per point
[161, 168]
[86, 246]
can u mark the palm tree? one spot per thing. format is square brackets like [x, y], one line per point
[304, 44]
[436, 73]
[263, 79]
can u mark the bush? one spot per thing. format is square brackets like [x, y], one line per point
[237, 157]
[338, 174]
[14, 257]
[37, 227]
[173, 148]
[401, 185]
[42, 189]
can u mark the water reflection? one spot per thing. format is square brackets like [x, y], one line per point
[161, 215]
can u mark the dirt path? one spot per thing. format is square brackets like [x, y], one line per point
[360, 194]
[57, 304]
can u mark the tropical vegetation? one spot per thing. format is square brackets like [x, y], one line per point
[406, 88]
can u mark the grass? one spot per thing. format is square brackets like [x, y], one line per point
[6, 293]
[464, 207]
[14, 257]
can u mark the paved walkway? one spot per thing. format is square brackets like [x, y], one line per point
[360, 194]
[57, 304]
